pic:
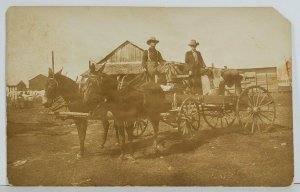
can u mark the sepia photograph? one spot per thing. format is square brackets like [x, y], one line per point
[149, 96]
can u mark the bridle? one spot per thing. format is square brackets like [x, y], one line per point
[54, 80]
[94, 78]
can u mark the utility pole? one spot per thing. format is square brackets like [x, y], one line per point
[53, 62]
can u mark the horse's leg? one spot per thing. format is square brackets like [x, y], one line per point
[105, 124]
[117, 135]
[120, 127]
[129, 130]
[81, 128]
[155, 124]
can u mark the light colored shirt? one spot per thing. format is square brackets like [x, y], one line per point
[195, 57]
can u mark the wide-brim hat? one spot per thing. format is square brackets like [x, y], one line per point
[193, 43]
[152, 39]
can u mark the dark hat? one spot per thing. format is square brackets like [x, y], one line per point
[193, 42]
[152, 39]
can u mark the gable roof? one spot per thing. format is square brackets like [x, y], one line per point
[40, 76]
[21, 83]
[116, 49]
[125, 59]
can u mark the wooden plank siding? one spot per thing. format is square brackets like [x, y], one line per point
[125, 59]
[127, 53]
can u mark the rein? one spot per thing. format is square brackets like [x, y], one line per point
[120, 85]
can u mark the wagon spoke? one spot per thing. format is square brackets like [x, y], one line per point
[258, 126]
[265, 104]
[262, 121]
[250, 99]
[257, 98]
[252, 128]
[226, 121]
[221, 123]
[248, 120]
[262, 100]
[265, 117]
[249, 115]
[229, 114]
[216, 122]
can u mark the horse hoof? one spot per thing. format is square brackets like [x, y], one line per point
[102, 146]
[117, 144]
[131, 158]
[156, 151]
[79, 156]
[121, 157]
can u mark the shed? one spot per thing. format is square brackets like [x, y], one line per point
[125, 59]
[38, 83]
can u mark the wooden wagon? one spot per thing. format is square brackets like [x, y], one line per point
[254, 109]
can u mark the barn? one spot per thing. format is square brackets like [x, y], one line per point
[126, 59]
[21, 86]
[37, 83]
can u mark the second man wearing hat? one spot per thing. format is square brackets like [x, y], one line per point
[194, 66]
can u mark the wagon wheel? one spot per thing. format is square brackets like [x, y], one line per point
[219, 115]
[256, 110]
[188, 119]
[140, 127]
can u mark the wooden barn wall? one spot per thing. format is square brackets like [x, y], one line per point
[38, 83]
[127, 53]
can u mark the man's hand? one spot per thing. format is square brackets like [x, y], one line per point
[144, 69]
[190, 73]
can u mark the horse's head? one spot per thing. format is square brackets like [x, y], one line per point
[58, 85]
[93, 89]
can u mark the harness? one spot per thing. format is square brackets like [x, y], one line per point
[120, 85]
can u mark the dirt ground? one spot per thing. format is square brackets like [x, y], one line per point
[42, 151]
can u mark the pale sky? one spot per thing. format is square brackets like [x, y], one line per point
[235, 37]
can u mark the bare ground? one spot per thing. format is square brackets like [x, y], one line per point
[47, 151]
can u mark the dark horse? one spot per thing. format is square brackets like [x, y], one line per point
[127, 104]
[60, 86]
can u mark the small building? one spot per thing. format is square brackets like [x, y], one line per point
[38, 83]
[126, 59]
[21, 86]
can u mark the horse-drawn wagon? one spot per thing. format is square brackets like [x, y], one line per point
[253, 108]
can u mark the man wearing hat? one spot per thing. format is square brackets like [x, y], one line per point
[152, 60]
[194, 66]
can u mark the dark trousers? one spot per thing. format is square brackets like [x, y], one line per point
[196, 84]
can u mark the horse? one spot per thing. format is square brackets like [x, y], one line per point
[59, 86]
[127, 104]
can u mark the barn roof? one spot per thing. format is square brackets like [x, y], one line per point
[116, 49]
[125, 59]
[21, 83]
[38, 77]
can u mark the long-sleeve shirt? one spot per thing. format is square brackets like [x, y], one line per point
[194, 61]
[151, 55]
